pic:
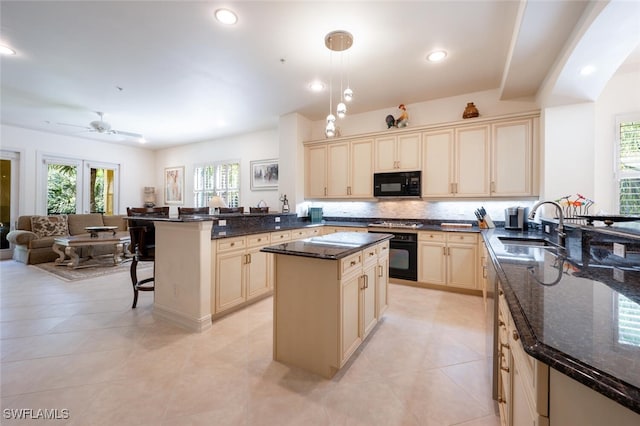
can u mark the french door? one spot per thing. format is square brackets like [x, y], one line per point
[79, 186]
[9, 193]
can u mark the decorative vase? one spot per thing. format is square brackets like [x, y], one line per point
[470, 111]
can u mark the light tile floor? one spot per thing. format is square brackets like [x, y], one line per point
[79, 346]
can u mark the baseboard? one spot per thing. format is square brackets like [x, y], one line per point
[192, 324]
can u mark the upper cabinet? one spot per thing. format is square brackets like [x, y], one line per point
[478, 159]
[456, 162]
[398, 153]
[339, 170]
[512, 157]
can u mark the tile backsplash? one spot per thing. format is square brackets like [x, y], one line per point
[416, 209]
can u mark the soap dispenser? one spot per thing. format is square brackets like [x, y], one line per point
[285, 204]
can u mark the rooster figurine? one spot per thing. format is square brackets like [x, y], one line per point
[402, 120]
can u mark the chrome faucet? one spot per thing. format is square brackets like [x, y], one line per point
[561, 234]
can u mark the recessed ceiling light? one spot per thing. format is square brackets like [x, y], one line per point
[226, 16]
[316, 86]
[588, 70]
[6, 50]
[142, 140]
[436, 56]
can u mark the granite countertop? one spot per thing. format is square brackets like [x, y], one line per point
[330, 247]
[569, 306]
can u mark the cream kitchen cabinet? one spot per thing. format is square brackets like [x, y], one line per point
[315, 171]
[302, 233]
[456, 162]
[339, 170]
[332, 229]
[350, 169]
[382, 279]
[241, 272]
[398, 153]
[448, 258]
[512, 157]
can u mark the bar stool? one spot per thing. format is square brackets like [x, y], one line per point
[144, 250]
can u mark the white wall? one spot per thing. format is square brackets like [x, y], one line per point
[621, 96]
[136, 164]
[246, 148]
[443, 110]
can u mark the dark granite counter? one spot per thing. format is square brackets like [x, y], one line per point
[577, 309]
[331, 247]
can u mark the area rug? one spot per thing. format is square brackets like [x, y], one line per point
[95, 270]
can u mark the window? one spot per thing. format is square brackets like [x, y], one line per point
[222, 179]
[628, 165]
[77, 186]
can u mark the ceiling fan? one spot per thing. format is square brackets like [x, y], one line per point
[102, 127]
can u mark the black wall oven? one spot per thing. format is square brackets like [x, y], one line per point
[403, 255]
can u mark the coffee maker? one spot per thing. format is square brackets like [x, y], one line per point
[516, 218]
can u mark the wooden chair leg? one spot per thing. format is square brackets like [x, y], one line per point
[134, 281]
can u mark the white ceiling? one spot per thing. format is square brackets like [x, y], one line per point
[186, 78]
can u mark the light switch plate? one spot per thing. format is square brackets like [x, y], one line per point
[222, 222]
[277, 219]
[619, 250]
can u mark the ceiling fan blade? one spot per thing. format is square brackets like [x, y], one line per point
[72, 125]
[132, 135]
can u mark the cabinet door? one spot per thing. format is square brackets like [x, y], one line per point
[511, 156]
[382, 284]
[437, 170]
[361, 182]
[408, 151]
[385, 154]
[432, 263]
[368, 300]
[521, 412]
[462, 265]
[338, 170]
[257, 273]
[230, 289]
[316, 171]
[472, 162]
[350, 337]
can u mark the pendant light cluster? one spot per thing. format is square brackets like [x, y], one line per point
[338, 41]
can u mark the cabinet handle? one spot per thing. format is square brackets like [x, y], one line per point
[353, 263]
[380, 271]
[504, 345]
[492, 187]
[500, 292]
[348, 190]
[366, 281]
[505, 369]
[501, 323]
[515, 335]
[484, 272]
[249, 258]
[325, 191]
[232, 244]
[259, 239]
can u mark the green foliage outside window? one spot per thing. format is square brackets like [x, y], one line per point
[61, 189]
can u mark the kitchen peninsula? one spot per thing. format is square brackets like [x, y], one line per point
[329, 294]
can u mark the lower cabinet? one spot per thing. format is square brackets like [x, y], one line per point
[448, 258]
[242, 272]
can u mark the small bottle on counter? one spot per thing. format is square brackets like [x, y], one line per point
[285, 204]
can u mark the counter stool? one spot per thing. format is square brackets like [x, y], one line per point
[143, 249]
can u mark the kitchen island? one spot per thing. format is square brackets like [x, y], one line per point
[329, 294]
[568, 335]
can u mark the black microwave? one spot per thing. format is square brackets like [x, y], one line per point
[397, 184]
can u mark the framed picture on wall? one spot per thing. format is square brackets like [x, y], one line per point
[264, 175]
[174, 185]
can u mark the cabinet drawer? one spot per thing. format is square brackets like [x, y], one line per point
[297, 234]
[258, 240]
[236, 243]
[457, 237]
[312, 232]
[431, 236]
[279, 237]
[350, 264]
[383, 249]
[370, 254]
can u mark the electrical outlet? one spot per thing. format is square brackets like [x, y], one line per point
[222, 222]
[618, 275]
[277, 219]
[619, 250]
[547, 229]
[277, 227]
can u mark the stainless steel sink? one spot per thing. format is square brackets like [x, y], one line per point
[522, 241]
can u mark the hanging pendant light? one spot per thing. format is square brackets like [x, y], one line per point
[337, 41]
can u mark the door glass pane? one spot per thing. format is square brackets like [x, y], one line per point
[62, 182]
[399, 259]
[5, 202]
[101, 190]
